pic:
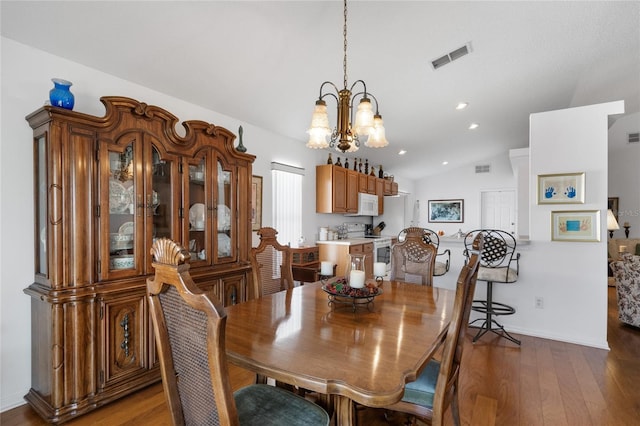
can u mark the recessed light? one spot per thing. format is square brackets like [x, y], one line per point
[444, 163]
[473, 126]
[462, 105]
[402, 152]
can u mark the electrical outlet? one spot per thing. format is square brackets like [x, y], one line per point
[539, 302]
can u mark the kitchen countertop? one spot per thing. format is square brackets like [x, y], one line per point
[352, 241]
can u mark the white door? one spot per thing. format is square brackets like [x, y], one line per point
[498, 210]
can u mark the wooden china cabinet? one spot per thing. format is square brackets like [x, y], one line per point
[105, 188]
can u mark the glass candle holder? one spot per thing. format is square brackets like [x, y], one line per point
[355, 273]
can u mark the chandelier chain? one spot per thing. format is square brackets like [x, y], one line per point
[344, 34]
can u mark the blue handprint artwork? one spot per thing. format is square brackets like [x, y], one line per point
[549, 192]
[570, 192]
[561, 188]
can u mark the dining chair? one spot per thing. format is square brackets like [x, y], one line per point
[499, 263]
[436, 388]
[189, 327]
[443, 259]
[413, 260]
[271, 264]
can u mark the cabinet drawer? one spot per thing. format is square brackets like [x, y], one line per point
[356, 249]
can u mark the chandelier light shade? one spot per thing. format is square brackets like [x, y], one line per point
[345, 137]
[319, 130]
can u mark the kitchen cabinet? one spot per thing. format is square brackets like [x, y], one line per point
[366, 249]
[105, 188]
[338, 253]
[336, 189]
[380, 194]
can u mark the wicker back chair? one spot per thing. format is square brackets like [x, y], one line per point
[443, 258]
[436, 389]
[190, 334]
[271, 263]
[413, 260]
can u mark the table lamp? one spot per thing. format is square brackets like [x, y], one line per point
[612, 223]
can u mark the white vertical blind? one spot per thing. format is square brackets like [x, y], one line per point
[287, 202]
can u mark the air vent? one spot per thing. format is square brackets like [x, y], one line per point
[483, 168]
[451, 56]
[634, 137]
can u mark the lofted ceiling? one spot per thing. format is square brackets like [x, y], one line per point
[262, 62]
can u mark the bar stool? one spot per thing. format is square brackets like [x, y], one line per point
[499, 263]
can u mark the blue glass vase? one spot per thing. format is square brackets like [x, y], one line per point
[60, 95]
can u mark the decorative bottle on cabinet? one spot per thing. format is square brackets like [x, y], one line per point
[105, 188]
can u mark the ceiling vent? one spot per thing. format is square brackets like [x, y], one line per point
[483, 168]
[451, 56]
[634, 137]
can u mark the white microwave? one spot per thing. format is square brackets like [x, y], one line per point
[367, 205]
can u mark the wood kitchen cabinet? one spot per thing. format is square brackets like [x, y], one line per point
[380, 194]
[104, 189]
[338, 253]
[366, 249]
[336, 189]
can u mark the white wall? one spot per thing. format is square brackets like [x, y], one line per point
[570, 276]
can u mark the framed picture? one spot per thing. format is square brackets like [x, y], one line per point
[256, 202]
[577, 225]
[567, 188]
[446, 211]
[612, 204]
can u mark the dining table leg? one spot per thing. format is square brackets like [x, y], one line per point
[345, 411]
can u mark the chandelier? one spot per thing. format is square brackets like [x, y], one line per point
[345, 137]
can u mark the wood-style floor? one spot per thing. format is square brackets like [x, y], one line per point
[543, 382]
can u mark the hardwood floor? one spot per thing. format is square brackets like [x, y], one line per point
[543, 382]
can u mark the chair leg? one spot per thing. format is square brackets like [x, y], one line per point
[455, 409]
[491, 308]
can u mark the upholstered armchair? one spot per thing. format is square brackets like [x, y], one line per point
[626, 272]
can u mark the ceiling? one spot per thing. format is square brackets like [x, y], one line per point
[262, 62]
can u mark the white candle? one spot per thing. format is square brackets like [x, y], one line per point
[326, 268]
[356, 279]
[379, 269]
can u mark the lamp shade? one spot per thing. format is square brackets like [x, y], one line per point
[319, 129]
[377, 138]
[612, 223]
[364, 117]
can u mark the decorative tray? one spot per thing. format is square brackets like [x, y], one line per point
[341, 293]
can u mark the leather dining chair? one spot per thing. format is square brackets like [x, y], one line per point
[190, 333]
[499, 263]
[443, 259]
[413, 259]
[271, 264]
[436, 388]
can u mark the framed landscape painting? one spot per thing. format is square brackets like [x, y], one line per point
[563, 188]
[446, 211]
[578, 225]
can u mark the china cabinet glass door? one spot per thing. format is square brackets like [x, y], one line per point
[41, 206]
[121, 199]
[198, 206]
[139, 180]
[225, 217]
